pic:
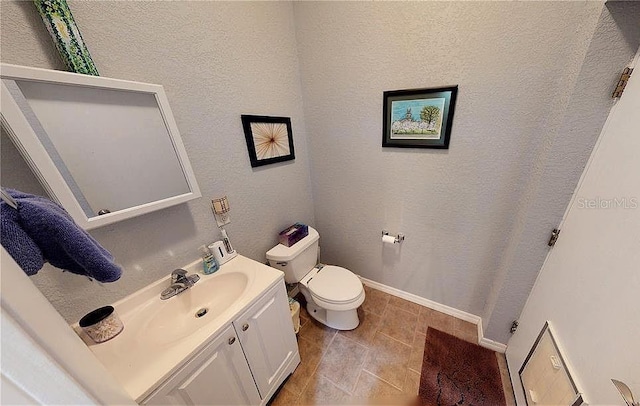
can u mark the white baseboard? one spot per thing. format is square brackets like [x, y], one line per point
[293, 292]
[492, 345]
[451, 311]
[487, 343]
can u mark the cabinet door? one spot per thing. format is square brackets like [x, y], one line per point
[267, 337]
[219, 375]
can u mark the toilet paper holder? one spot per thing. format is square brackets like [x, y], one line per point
[399, 237]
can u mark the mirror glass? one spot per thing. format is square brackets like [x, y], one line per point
[103, 141]
[105, 149]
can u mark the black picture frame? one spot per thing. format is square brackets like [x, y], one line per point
[418, 129]
[265, 139]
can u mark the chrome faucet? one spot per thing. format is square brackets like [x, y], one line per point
[180, 282]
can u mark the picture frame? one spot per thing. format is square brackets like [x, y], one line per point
[269, 139]
[545, 348]
[418, 118]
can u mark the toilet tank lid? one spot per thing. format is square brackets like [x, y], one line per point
[283, 253]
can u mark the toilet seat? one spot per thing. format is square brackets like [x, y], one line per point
[334, 285]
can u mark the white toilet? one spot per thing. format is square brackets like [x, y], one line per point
[333, 293]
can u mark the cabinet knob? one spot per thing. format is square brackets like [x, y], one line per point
[232, 340]
[245, 327]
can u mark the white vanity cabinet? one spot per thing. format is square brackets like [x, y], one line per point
[219, 375]
[268, 340]
[244, 365]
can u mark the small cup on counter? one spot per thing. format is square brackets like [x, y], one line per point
[102, 324]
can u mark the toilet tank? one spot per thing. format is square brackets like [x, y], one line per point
[295, 261]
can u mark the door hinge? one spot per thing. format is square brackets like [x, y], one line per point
[554, 237]
[622, 83]
[514, 326]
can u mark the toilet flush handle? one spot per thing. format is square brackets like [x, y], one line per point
[281, 263]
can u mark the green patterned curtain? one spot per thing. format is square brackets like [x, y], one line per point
[65, 33]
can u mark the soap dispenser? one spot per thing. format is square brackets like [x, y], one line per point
[209, 263]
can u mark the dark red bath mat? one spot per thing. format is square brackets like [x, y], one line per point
[456, 372]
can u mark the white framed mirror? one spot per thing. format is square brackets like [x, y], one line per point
[105, 149]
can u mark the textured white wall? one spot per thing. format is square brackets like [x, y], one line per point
[461, 209]
[475, 216]
[216, 62]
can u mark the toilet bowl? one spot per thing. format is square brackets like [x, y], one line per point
[333, 296]
[333, 293]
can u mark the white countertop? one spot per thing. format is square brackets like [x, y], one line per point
[141, 366]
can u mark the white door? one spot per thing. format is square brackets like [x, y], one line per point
[218, 376]
[589, 286]
[267, 337]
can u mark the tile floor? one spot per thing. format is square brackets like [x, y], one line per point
[377, 363]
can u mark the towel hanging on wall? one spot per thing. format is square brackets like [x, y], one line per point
[39, 230]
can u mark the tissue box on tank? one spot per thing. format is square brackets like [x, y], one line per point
[293, 234]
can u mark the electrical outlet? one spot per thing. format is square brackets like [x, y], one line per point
[222, 219]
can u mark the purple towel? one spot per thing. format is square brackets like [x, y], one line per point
[40, 230]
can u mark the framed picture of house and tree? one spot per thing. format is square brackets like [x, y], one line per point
[418, 118]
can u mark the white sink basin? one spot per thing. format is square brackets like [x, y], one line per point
[159, 336]
[181, 315]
